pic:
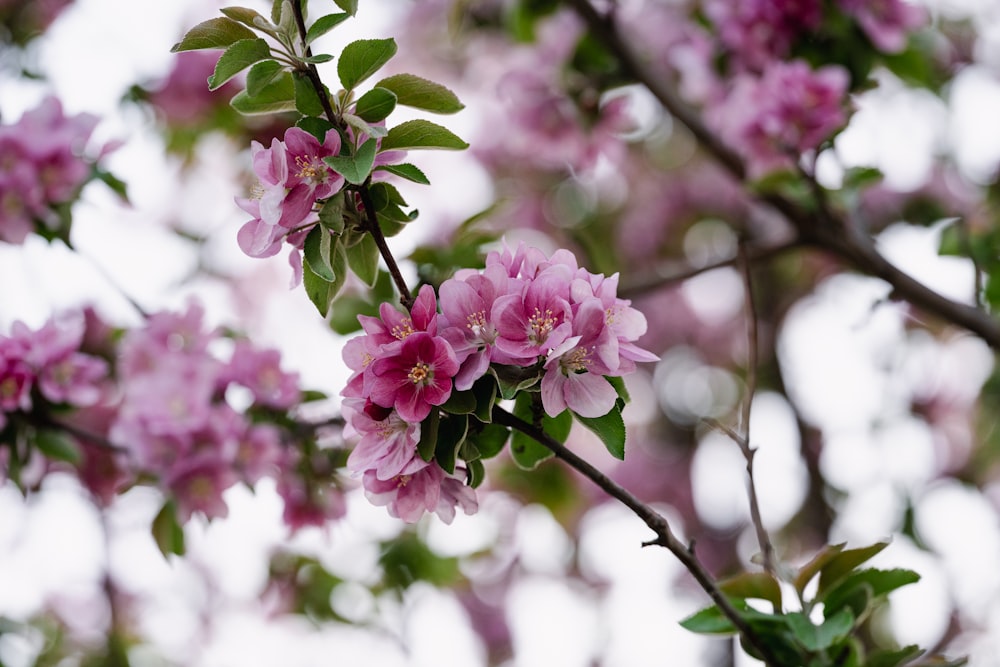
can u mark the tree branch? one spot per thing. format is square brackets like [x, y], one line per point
[834, 233]
[656, 522]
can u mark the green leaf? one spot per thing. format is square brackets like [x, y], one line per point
[331, 215]
[318, 127]
[167, 531]
[610, 429]
[819, 638]
[360, 59]
[318, 59]
[513, 379]
[375, 105]
[349, 6]
[322, 292]
[460, 403]
[421, 134]
[413, 91]
[117, 185]
[813, 567]
[58, 446]
[363, 260]
[893, 657]
[451, 435]
[217, 33]
[525, 450]
[238, 57]
[355, 168]
[841, 564]
[276, 97]
[307, 101]
[489, 441]
[756, 585]
[244, 15]
[429, 435]
[317, 253]
[485, 390]
[879, 582]
[475, 473]
[361, 126]
[261, 75]
[709, 621]
[619, 384]
[408, 171]
[325, 24]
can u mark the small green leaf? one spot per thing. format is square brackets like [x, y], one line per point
[819, 638]
[460, 403]
[475, 473]
[244, 15]
[485, 390]
[429, 435]
[217, 33]
[167, 530]
[408, 171]
[238, 57]
[413, 91]
[355, 168]
[525, 450]
[318, 59]
[451, 435]
[331, 215]
[610, 429]
[360, 59]
[317, 253]
[58, 446]
[325, 24]
[276, 97]
[363, 260]
[349, 6]
[619, 384]
[117, 185]
[490, 440]
[362, 126]
[421, 134]
[756, 585]
[879, 582]
[841, 564]
[261, 75]
[813, 567]
[896, 657]
[709, 621]
[513, 379]
[375, 105]
[318, 127]
[322, 292]
[307, 101]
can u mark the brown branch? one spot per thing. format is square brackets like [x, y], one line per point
[656, 522]
[832, 232]
[371, 218]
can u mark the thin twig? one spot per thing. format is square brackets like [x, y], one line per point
[656, 522]
[371, 218]
[836, 236]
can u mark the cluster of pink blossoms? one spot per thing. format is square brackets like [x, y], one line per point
[42, 166]
[292, 177]
[162, 399]
[787, 111]
[47, 366]
[524, 309]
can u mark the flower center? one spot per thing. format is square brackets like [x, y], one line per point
[576, 360]
[309, 170]
[540, 325]
[420, 373]
[403, 329]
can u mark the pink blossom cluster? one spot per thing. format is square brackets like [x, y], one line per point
[176, 424]
[544, 314]
[46, 366]
[25, 19]
[788, 110]
[887, 23]
[761, 31]
[42, 166]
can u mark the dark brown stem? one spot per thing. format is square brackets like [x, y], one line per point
[829, 230]
[371, 219]
[656, 522]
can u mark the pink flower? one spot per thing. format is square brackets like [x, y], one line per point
[417, 377]
[886, 22]
[788, 111]
[388, 444]
[761, 31]
[530, 324]
[260, 372]
[430, 489]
